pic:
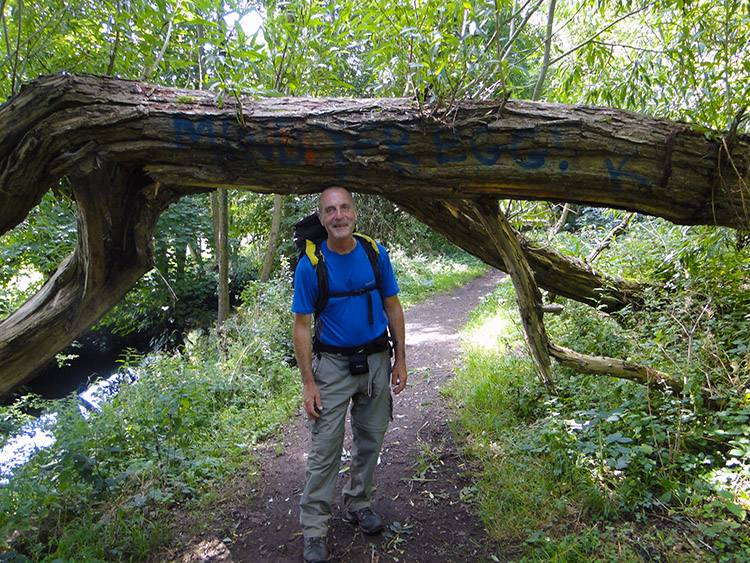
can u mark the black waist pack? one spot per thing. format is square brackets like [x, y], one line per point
[358, 363]
[357, 354]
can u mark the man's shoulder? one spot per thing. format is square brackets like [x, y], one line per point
[367, 241]
[304, 271]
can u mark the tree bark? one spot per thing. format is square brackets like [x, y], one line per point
[559, 274]
[547, 48]
[528, 297]
[222, 254]
[515, 150]
[613, 367]
[117, 210]
[131, 149]
[273, 238]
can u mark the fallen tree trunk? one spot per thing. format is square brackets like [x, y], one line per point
[113, 252]
[522, 150]
[529, 299]
[531, 310]
[621, 369]
[557, 273]
[164, 143]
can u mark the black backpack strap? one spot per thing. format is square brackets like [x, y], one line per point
[363, 291]
[315, 254]
[372, 251]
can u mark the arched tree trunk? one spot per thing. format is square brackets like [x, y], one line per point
[132, 148]
[553, 271]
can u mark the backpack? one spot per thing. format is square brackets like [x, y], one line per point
[309, 234]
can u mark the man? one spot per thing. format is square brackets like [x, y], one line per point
[355, 318]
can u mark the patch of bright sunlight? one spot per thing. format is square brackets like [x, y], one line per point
[250, 23]
[486, 337]
[27, 278]
[209, 550]
[39, 434]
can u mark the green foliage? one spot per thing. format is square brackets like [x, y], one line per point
[18, 414]
[180, 293]
[419, 276]
[611, 450]
[615, 451]
[31, 252]
[389, 225]
[179, 425]
[682, 60]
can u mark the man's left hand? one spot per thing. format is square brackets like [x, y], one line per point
[398, 377]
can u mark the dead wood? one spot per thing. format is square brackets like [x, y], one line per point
[613, 367]
[620, 228]
[528, 297]
[131, 149]
[553, 271]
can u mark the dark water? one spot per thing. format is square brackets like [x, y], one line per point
[97, 358]
[76, 376]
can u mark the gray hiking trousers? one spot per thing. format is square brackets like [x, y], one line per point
[371, 411]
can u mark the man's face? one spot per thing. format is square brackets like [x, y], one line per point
[337, 213]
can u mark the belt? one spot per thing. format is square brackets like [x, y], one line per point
[380, 344]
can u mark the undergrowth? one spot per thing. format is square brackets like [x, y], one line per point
[178, 428]
[608, 469]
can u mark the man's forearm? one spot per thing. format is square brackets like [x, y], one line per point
[303, 347]
[397, 326]
[303, 353]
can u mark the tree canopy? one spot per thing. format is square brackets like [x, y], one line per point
[462, 132]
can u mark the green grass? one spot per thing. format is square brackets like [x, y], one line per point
[420, 276]
[603, 471]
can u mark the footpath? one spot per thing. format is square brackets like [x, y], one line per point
[424, 487]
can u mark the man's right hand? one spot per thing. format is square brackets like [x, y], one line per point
[311, 399]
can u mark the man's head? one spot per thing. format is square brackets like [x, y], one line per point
[337, 213]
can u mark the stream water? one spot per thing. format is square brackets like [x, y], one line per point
[91, 377]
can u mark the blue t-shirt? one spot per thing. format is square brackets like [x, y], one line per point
[345, 320]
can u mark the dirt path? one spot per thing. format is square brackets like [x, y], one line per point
[422, 484]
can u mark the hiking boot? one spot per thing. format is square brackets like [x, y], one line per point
[315, 550]
[369, 522]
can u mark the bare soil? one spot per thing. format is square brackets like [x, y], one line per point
[423, 484]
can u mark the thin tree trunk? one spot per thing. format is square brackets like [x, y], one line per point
[547, 46]
[220, 208]
[273, 238]
[115, 47]
[563, 218]
[160, 55]
[14, 65]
